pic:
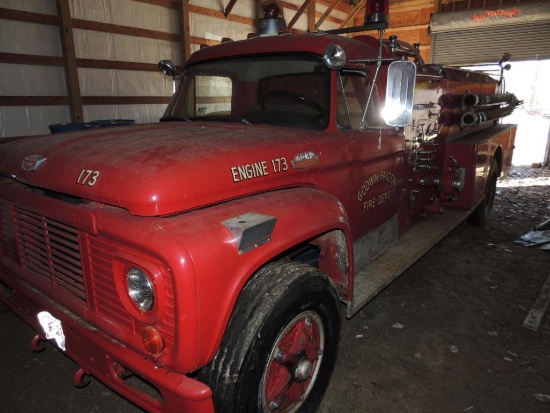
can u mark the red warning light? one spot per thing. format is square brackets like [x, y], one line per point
[271, 10]
[376, 11]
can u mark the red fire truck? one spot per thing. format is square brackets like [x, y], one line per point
[209, 255]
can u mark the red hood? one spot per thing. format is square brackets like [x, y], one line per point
[164, 168]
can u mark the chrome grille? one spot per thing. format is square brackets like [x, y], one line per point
[50, 249]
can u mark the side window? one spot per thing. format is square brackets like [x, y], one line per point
[352, 99]
[211, 96]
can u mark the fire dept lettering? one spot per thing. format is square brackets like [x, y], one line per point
[386, 176]
[372, 202]
[258, 169]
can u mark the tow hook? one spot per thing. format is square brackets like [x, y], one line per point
[80, 379]
[36, 345]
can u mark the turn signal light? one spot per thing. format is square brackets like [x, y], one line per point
[152, 340]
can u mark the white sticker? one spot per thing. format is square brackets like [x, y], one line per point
[52, 327]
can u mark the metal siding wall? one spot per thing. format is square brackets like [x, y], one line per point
[488, 44]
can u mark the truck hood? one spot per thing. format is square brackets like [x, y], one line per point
[164, 168]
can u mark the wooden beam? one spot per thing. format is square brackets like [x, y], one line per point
[117, 65]
[329, 9]
[342, 6]
[185, 30]
[298, 14]
[352, 14]
[34, 101]
[87, 100]
[69, 60]
[169, 4]
[218, 14]
[29, 59]
[126, 30]
[534, 317]
[29, 17]
[126, 100]
[201, 41]
[229, 7]
[311, 17]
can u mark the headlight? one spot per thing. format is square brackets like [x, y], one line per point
[140, 289]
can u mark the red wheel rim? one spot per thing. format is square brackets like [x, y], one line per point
[293, 364]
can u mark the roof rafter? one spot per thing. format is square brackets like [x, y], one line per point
[352, 13]
[229, 7]
[331, 7]
[299, 13]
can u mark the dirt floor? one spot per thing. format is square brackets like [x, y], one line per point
[446, 336]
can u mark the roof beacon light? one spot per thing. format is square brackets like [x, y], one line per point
[271, 20]
[376, 11]
[334, 56]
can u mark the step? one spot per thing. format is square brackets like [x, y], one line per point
[412, 245]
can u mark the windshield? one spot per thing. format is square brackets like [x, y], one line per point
[275, 90]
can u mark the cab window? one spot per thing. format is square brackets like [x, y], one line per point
[352, 95]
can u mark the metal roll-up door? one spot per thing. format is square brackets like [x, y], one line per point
[460, 39]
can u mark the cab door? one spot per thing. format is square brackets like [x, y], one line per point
[375, 155]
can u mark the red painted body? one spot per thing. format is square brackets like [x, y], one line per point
[156, 196]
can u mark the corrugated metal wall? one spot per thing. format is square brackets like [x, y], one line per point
[488, 44]
[484, 35]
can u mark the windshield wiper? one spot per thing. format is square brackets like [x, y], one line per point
[170, 118]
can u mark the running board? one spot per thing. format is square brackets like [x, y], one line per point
[412, 245]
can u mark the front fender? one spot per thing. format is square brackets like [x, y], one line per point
[222, 271]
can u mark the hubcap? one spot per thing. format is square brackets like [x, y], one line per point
[293, 364]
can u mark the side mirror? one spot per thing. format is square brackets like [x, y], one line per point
[400, 93]
[167, 67]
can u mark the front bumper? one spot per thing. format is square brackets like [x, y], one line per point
[101, 356]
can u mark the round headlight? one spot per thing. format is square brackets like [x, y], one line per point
[334, 57]
[140, 289]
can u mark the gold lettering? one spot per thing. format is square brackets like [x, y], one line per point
[249, 171]
[235, 174]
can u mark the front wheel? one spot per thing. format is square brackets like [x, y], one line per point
[280, 346]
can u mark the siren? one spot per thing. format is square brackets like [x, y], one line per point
[376, 11]
[270, 19]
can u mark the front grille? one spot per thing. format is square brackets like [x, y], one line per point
[7, 235]
[50, 249]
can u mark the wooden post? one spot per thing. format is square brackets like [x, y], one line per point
[185, 30]
[311, 17]
[69, 60]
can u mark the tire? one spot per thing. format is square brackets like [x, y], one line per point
[280, 346]
[484, 209]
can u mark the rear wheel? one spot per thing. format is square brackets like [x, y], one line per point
[280, 346]
[482, 212]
